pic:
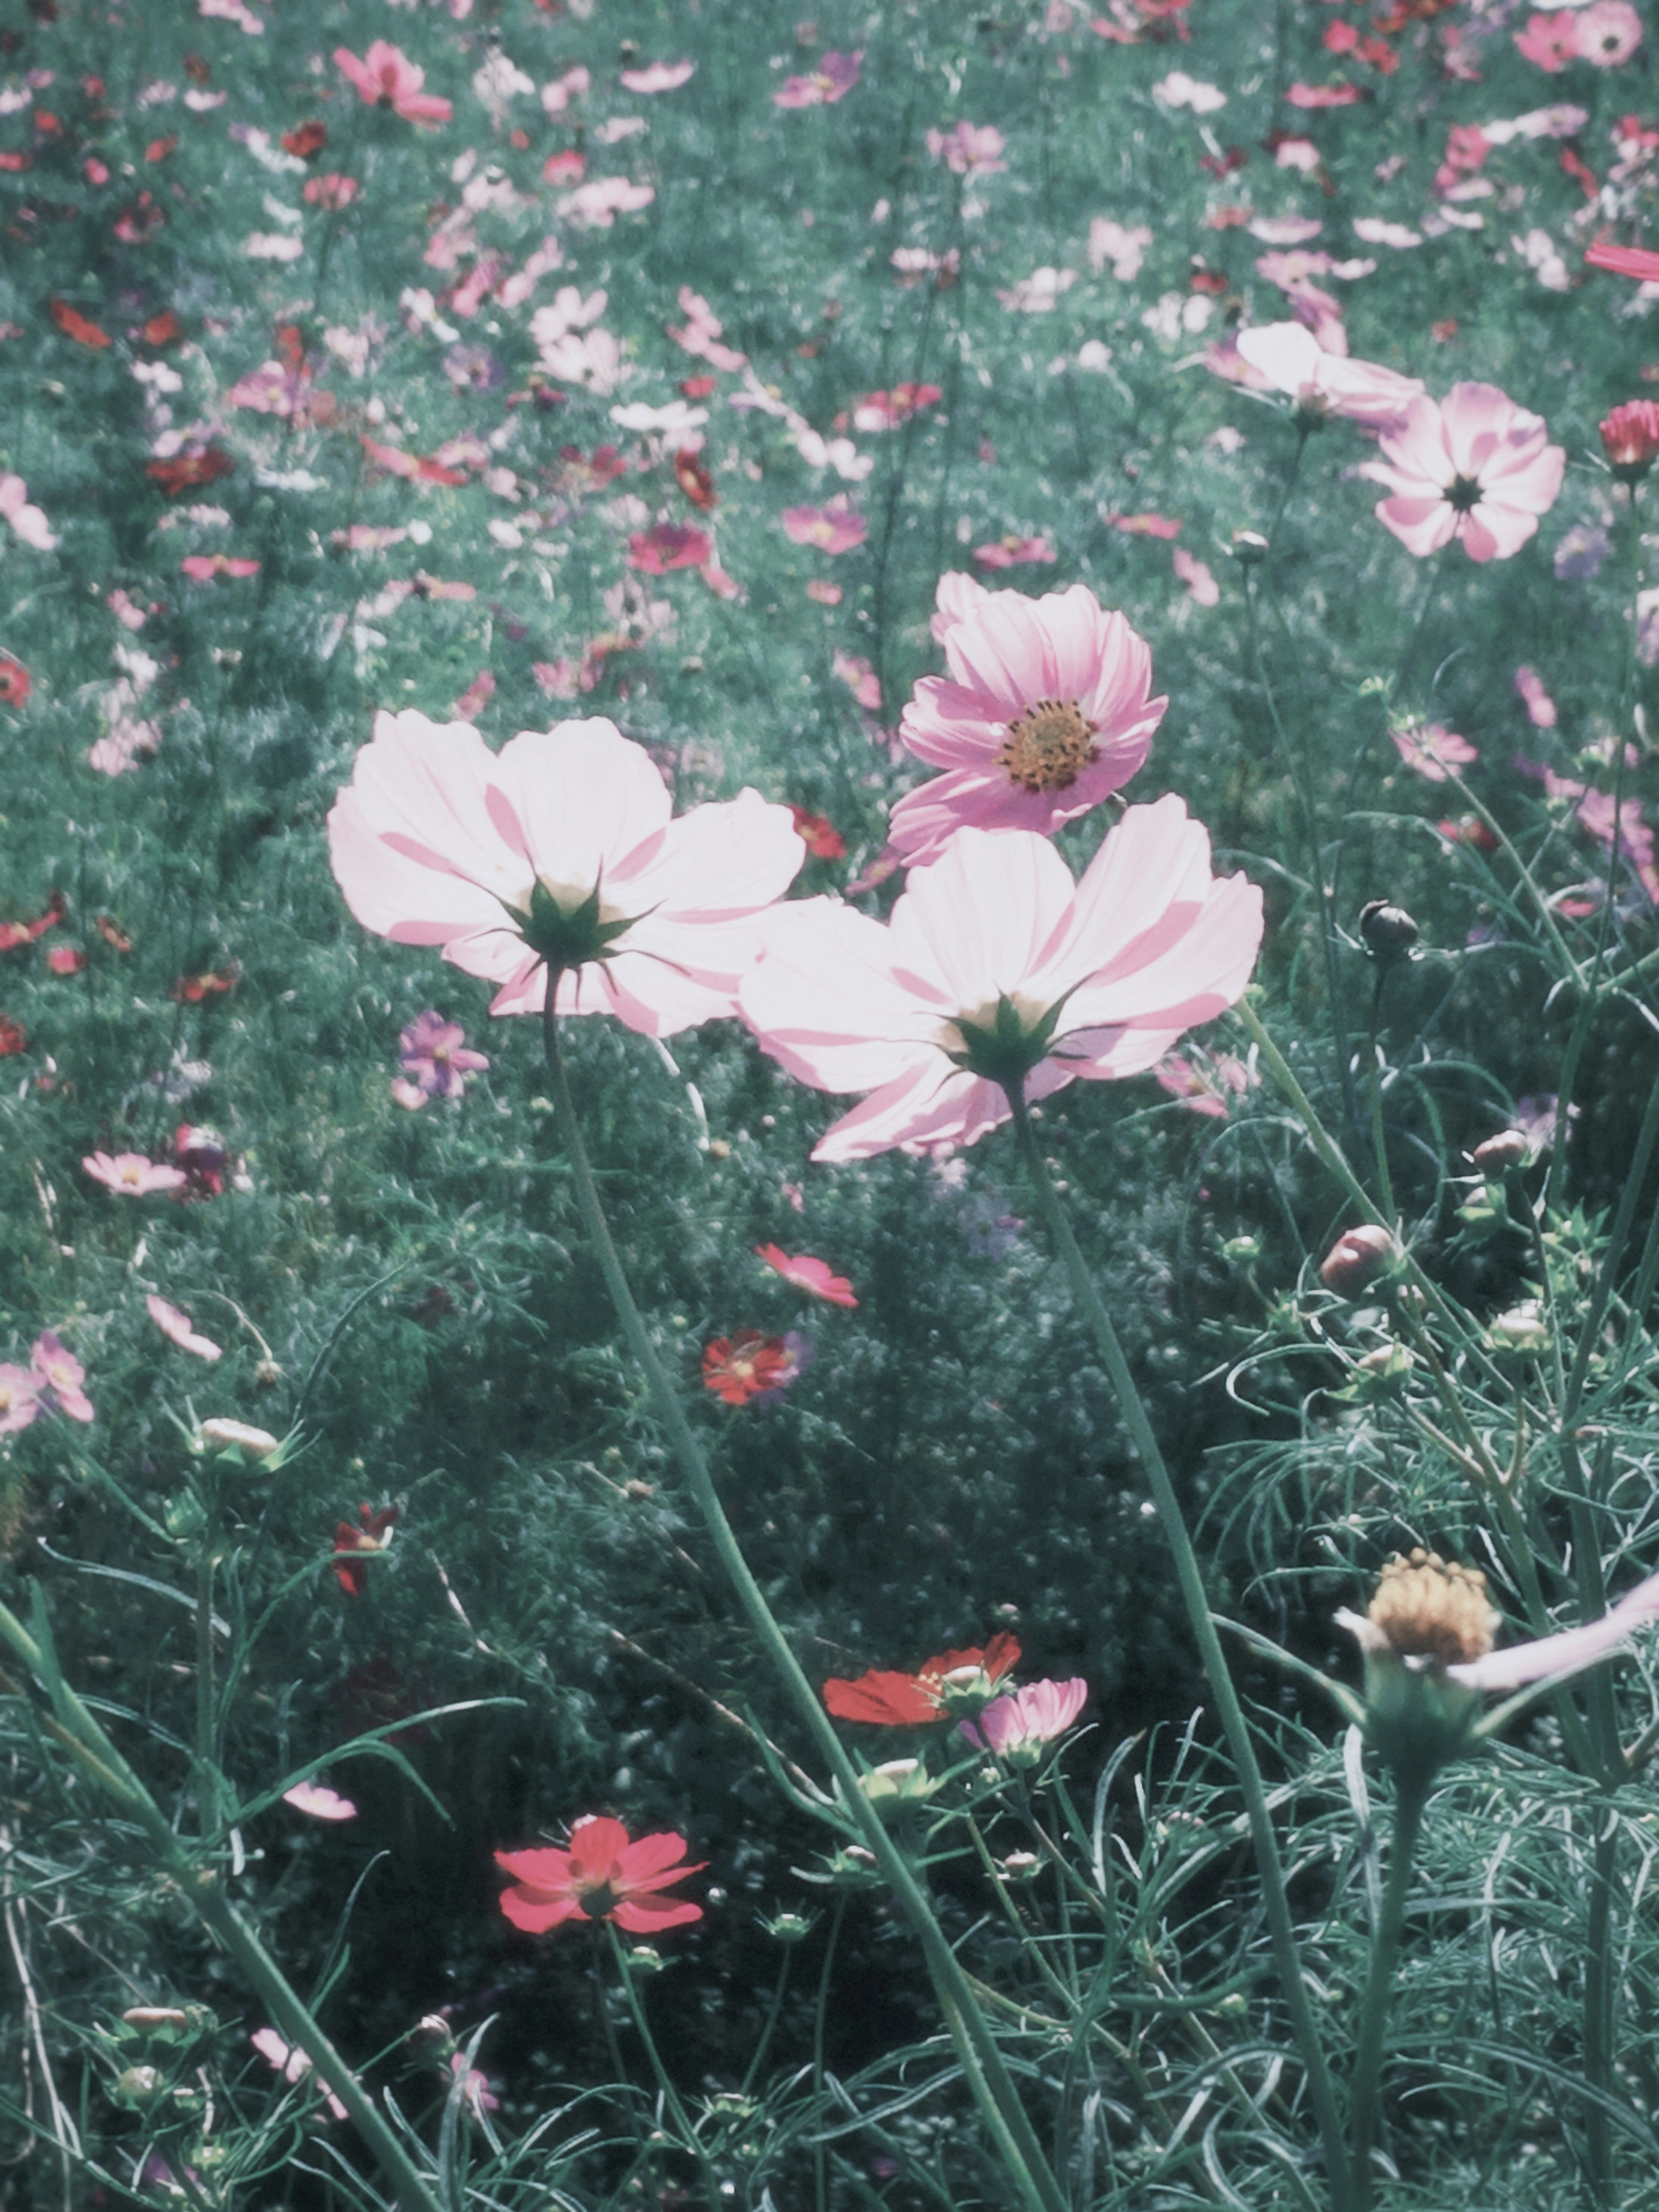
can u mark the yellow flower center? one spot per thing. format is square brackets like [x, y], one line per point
[1048, 746]
[1431, 1608]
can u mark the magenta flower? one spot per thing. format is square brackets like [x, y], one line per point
[1292, 361]
[387, 77]
[1016, 1727]
[435, 1055]
[968, 151]
[29, 522]
[1432, 750]
[996, 967]
[130, 1174]
[814, 1276]
[657, 77]
[1476, 467]
[833, 528]
[19, 1397]
[832, 80]
[1046, 709]
[179, 1329]
[61, 1376]
[669, 545]
[1014, 551]
[559, 852]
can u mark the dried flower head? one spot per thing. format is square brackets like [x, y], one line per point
[1428, 1607]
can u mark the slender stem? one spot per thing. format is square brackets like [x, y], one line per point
[1600, 1990]
[1618, 1237]
[1230, 1711]
[1379, 1135]
[677, 2113]
[820, 2012]
[769, 2026]
[976, 2047]
[1379, 1985]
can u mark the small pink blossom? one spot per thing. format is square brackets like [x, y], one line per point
[826, 594]
[1297, 153]
[319, 1804]
[1549, 41]
[331, 191]
[1608, 33]
[596, 204]
[293, 2065]
[180, 1329]
[475, 2085]
[61, 1376]
[1375, 232]
[806, 1274]
[699, 335]
[130, 1174]
[29, 523]
[1322, 383]
[1192, 573]
[558, 95]
[203, 568]
[1321, 95]
[657, 77]
[832, 80]
[385, 76]
[833, 528]
[1432, 750]
[1125, 249]
[669, 545]
[436, 1057]
[1534, 697]
[967, 151]
[1476, 467]
[1046, 709]
[479, 693]
[20, 1398]
[859, 675]
[1016, 1727]
[887, 411]
[1013, 551]
[559, 853]
[1205, 1085]
[997, 967]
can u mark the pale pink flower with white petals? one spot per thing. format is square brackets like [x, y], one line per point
[293, 2065]
[1608, 33]
[997, 964]
[1045, 711]
[385, 78]
[29, 522]
[1432, 750]
[19, 1397]
[1017, 1727]
[180, 1329]
[969, 150]
[1476, 467]
[61, 1376]
[130, 1174]
[321, 1804]
[1322, 383]
[832, 80]
[561, 850]
[658, 76]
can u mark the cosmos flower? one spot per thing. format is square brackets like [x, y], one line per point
[832, 80]
[998, 969]
[1016, 1727]
[1324, 384]
[1433, 752]
[293, 2065]
[560, 852]
[968, 150]
[833, 528]
[319, 1804]
[435, 1056]
[19, 1397]
[602, 1876]
[745, 1366]
[806, 1274]
[29, 523]
[180, 1329]
[1475, 467]
[1046, 709]
[385, 78]
[948, 1685]
[370, 1535]
[657, 77]
[130, 1175]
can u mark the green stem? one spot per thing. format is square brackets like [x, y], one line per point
[1379, 1135]
[1379, 1985]
[820, 2013]
[199, 1887]
[976, 2047]
[677, 2113]
[1231, 1712]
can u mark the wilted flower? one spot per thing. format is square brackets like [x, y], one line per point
[806, 1274]
[602, 1876]
[180, 1328]
[239, 1437]
[353, 1545]
[945, 1687]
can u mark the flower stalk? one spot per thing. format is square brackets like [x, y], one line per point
[1412, 1797]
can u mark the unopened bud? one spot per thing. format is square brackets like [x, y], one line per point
[153, 2016]
[1508, 1149]
[642, 1959]
[237, 1436]
[1521, 1330]
[788, 1928]
[1020, 1866]
[1388, 930]
[137, 2085]
[1250, 548]
[1358, 1257]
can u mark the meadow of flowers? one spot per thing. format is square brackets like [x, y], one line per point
[829, 1080]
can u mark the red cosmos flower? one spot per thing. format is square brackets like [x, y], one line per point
[190, 990]
[14, 933]
[162, 329]
[351, 1570]
[741, 1367]
[669, 545]
[185, 471]
[695, 480]
[15, 683]
[397, 463]
[305, 140]
[806, 1274]
[1629, 438]
[602, 1876]
[947, 1686]
[821, 838]
[12, 1037]
[74, 324]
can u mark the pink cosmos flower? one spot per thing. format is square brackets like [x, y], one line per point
[20, 1398]
[1192, 573]
[1534, 697]
[1206, 1085]
[887, 411]
[857, 674]
[832, 80]
[1014, 551]
[203, 568]
[559, 851]
[1322, 383]
[809, 1274]
[603, 1876]
[320, 1804]
[385, 76]
[181, 1330]
[1045, 711]
[130, 1174]
[1432, 750]
[1016, 1727]
[1550, 41]
[1476, 467]
[61, 1376]
[669, 545]
[29, 522]
[700, 333]
[435, 1054]
[996, 965]
[331, 191]
[1608, 33]
[293, 2065]
[1322, 95]
[833, 528]
[596, 204]
[968, 151]
[657, 77]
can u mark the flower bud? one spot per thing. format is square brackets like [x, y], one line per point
[1508, 1149]
[897, 1782]
[1358, 1257]
[152, 2017]
[1250, 548]
[1629, 438]
[1020, 1866]
[1388, 930]
[788, 1928]
[137, 2086]
[643, 1960]
[1241, 1251]
[226, 1436]
[1521, 1332]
